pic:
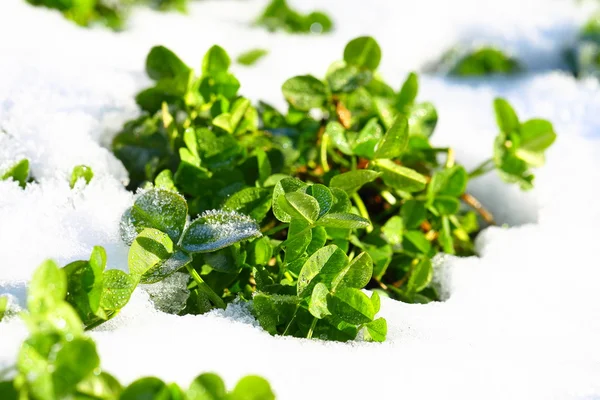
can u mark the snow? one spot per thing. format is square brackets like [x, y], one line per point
[521, 321]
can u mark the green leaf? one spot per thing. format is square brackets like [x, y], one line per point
[449, 182]
[150, 249]
[273, 310]
[3, 306]
[506, 117]
[215, 229]
[446, 205]
[323, 195]
[357, 274]
[252, 201]
[351, 181]
[162, 63]
[305, 92]
[117, 289]
[250, 57]
[318, 240]
[363, 52]
[337, 134]
[164, 180]
[408, 92]
[145, 388]
[376, 301]
[47, 288]
[421, 276]
[252, 387]
[318, 301]
[160, 209]
[344, 221]
[207, 386]
[395, 140]
[351, 305]
[348, 78]
[298, 240]
[73, 362]
[422, 119]
[323, 266]
[81, 171]
[364, 145]
[485, 61]
[177, 260]
[399, 177]
[301, 205]
[413, 213]
[393, 230]
[215, 61]
[418, 241]
[19, 172]
[536, 135]
[260, 251]
[103, 386]
[377, 329]
[286, 185]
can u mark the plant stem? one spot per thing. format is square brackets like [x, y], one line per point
[203, 286]
[388, 197]
[275, 229]
[291, 320]
[482, 169]
[312, 328]
[324, 144]
[362, 210]
[450, 158]
[473, 202]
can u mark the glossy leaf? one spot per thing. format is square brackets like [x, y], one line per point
[395, 140]
[160, 209]
[351, 181]
[214, 230]
[363, 52]
[399, 177]
[352, 306]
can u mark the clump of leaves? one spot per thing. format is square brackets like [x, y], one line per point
[110, 13]
[482, 61]
[279, 16]
[250, 57]
[584, 56]
[18, 172]
[58, 361]
[356, 197]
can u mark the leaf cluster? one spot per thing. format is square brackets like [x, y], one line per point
[279, 16]
[341, 192]
[477, 62]
[58, 361]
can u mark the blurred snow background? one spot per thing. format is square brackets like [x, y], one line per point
[522, 321]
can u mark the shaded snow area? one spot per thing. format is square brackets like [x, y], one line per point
[521, 321]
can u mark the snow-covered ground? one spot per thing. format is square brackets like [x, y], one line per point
[522, 321]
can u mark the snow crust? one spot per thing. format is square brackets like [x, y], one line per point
[521, 321]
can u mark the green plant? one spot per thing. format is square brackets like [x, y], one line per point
[58, 361]
[279, 16]
[18, 172]
[583, 57]
[113, 14]
[250, 57]
[81, 172]
[353, 196]
[481, 61]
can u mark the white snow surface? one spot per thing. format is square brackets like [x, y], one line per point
[521, 321]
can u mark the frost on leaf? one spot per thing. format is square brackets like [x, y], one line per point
[216, 229]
